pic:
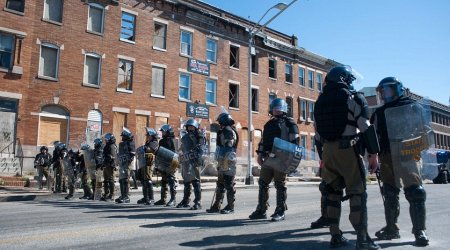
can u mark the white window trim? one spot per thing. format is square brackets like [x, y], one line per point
[126, 58]
[159, 65]
[159, 20]
[190, 87]
[234, 44]
[186, 29]
[50, 115]
[57, 61]
[191, 42]
[142, 112]
[217, 48]
[129, 11]
[124, 90]
[99, 69]
[215, 91]
[158, 96]
[234, 82]
[98, 6]
[121, 110]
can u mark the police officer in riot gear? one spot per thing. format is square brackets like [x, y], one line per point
[42, 163]
[109, 165]
[87, 193]
[145, 173]
[339, 113]
[71, 171]
[285, 128]
[98, 159]
[59, 153]
[227, 142]
[168, 142]
[127, 150]
[192, 147]
[392, 93]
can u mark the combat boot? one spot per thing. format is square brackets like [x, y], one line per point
[151, 199]
[364, 242]
[416, 197]
[258, 214]
[198, 195]
[338, 240]
[173, 191]
[421, 238]
[319, 223]
[70, 195]
[187, 193]
[215, 208]
[126, 189]
[120, 198]
[162, 201]
[229, 208]
[278, 215]
[388, 233]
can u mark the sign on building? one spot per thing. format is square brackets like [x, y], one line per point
[197, 110]
[198, 67]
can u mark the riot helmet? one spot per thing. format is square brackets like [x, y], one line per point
[151, 133]
[278, 104]
[167, 130]
[97, 142]
[126, 134]
[191, 122]
[110, 138]
[340, 74]
[60, 146]
[225, 119]
[390, 88]
[85, 147]
[43, 148]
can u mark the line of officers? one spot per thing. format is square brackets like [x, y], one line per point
[343, 134]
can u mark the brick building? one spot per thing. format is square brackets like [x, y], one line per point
[73, 70]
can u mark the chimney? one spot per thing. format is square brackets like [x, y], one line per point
[294, 40]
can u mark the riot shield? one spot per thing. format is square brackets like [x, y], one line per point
[226, 160]
[89, 162]
[124, 160]
[166, 160]
[285, 156]
[409, 133]
[140, 157]
[430, 164]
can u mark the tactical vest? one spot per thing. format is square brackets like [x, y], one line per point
[381, 121]
[280, 128]
[168, 142]
[331, 110]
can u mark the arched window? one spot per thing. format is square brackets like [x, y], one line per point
[53, 125]
[94, 126]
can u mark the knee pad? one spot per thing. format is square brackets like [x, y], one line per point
[415, 193]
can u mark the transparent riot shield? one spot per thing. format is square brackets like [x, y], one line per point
[285, 156]
[140, 158]
[430, 164]
[409, 133]
[166, 160]
[89, 162]
[226, 160]
[124, 160]
[187, 167]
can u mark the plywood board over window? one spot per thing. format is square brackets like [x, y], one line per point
[119, 121]
[159, 122]
[141, 123]
[52, 129]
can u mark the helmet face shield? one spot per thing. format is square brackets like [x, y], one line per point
[389, 89]
[387, 93]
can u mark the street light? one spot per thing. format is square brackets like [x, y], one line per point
[251, 34]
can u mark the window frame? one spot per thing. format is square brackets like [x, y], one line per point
[255, 100]
[163, 82]
[51, 46]
[236, 55]
[189, 77]
[102, 26]
[119, 89]
[13, 50]
[122, 27]
[273, 69]
[288, 75]
[99, 70]
[236, 96]
[191, 38]
[13, 10]
[213, 92]
[311, 111]
[155, 35]
[303, 111]
[319, 81]
[290, 106]
[301, 76]
[50, 20]
[216, 44]
[255, 64]
[274, 95]
[311, 79]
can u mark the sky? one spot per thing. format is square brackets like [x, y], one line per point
[409, 39]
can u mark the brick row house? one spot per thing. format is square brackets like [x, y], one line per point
[73, 70]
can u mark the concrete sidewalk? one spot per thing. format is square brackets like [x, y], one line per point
[208, 184]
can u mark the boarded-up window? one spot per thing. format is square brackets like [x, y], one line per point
[159, 36]
[52, 129]
[119, 121]
[158, 78]
[94, 126]
[234, 56]
[141, 123]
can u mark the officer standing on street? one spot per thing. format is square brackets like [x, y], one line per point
[98, 160]
[227, 142]
[109, 165]
[42, 163]
[59, 153]
[167, 177]
[192, 147]
[87, 193]
[145, 173]
[127, 150]
[285, 128]
[392, 92]
[339, 113]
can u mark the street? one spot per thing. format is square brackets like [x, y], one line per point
[61, 224]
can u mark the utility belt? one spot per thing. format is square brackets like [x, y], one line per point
[347, 141]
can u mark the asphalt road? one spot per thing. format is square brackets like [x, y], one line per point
[61, 224]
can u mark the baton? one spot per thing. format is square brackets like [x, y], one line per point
[377, 174]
